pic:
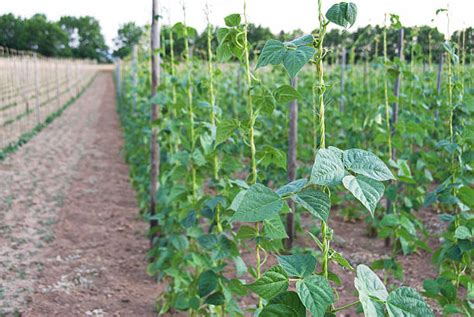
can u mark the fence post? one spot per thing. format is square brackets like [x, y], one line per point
[292, 143]
[154, 145]
[343, 68]
[37, 106]
[134, 76]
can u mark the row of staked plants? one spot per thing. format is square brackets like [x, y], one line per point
[225, 198]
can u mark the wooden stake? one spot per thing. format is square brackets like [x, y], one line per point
[154, 145]
[292, 142]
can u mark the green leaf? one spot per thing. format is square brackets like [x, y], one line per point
[290, 299]
[328, 168]
[307, 39]
[466, 195]
[341, 260]
[273, 282]
[232, 20]
[247, 232]
[294, 60]
[367, 164]
[299, 265]
[272, 53]
[292, 187]
[406, 302]
[238, 200]
[258, 203]
[225, 129]
[216, 299]
[369, 285]
[207, 283]
[343, 14]
[272, 155]
[316, 294]
[277, 310]
[274, 228]
[462, 233]
[224, 51]
[314, 201]
[366, 190]
[285, 94]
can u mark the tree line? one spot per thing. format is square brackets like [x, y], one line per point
[81, 37]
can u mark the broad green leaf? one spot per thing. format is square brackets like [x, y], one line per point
[285, 94]
[264, 100]
[369, 285]
[207, 283]
[292, 187]
[294, 55]
[466, 195]
[278, 310]
[314, 201]
[406, 302]
[225, 129]
[366, 190]
[328, 168]
[238, 200]
[222, 33]
[240, 266]
[273, 282]
[307, 39]
[258, 203]
[341, 260]
[290, 299]
[316, 294]
[272, 155]
[272, 53]
[273, 228]
[294, 60]
[232, 20]
[224, 51]
[299, 265]
[343, 14]
[367, 164]
[180, 242]
[462, 233]
[247, 232]
[216, 299]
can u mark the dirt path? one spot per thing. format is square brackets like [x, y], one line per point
[70, 240]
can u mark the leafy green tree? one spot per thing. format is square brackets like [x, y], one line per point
[85, 37]
[128, 35]
[45, 37]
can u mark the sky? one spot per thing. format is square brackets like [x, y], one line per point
[277, 14]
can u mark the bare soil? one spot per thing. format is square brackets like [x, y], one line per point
[71, 241]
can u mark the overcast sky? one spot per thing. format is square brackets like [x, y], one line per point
[276, 14]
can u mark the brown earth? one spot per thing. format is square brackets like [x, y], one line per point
[71, 241]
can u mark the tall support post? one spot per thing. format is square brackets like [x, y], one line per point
[134, 76]
[37, 93]
[396, 88]
[342, 84]
[292, 143]
[154, 146]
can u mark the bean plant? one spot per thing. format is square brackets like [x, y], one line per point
[223, 188]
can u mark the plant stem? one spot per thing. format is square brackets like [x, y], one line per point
[322, 86]
[322, 127]
[258, 262]
[212, 98]
[189, 93]
[253, 173]
[345, 306]
[385, 79]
